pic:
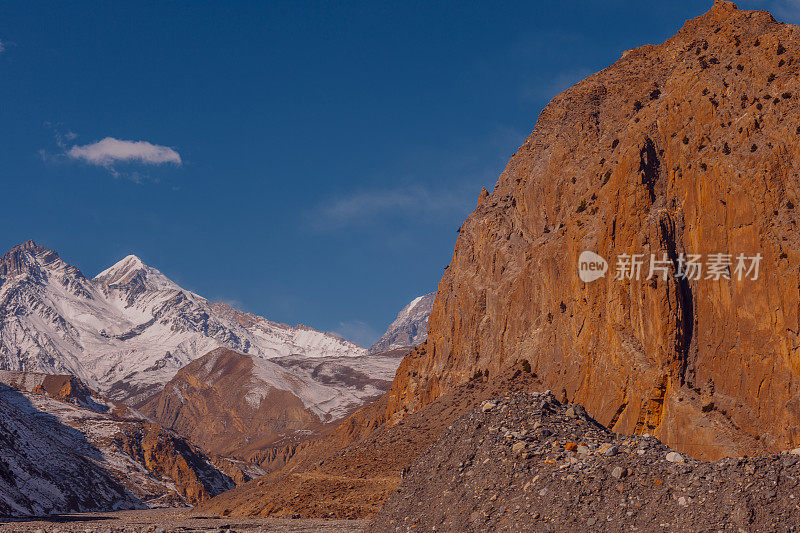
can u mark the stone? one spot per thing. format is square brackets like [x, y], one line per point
[518, 447]
[618, 472]
[674, 457]
[582, 450]
[488, 406]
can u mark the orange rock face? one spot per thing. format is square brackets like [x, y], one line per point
[687, 147]
[169, 456]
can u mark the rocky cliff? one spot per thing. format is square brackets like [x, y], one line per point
[686, 147]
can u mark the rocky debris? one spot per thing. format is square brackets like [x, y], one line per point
[684, 147]
[534, 464]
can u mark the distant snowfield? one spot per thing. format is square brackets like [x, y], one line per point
[128, 330]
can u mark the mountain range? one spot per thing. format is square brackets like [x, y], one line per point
[128, 330]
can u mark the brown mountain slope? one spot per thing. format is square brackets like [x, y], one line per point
[691, 146]
[211, 401]
[261, 410]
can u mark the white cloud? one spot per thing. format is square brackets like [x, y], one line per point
[110, 150]
[413, 201]
[357, 331]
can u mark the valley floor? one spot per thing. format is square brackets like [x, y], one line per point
[169, 520]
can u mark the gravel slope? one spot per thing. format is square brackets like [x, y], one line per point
[525, 462]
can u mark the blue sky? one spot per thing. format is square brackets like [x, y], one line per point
[306, 161]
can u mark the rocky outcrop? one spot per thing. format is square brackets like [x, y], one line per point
[67, 449]
[686, 147]
[410, 328]
[165, 455]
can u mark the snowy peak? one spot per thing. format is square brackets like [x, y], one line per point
[410, 328]
[132, 275]
[123, 270]
[34, 260]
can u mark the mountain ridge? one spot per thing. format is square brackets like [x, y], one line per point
[409, 328]
[130, 328]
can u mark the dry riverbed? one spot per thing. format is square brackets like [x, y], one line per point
[173, 520]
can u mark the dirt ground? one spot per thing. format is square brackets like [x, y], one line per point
[174, 520]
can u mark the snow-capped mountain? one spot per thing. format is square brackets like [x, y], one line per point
[409, 328]
[127, 331]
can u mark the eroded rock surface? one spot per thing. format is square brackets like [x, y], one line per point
[686, 147]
